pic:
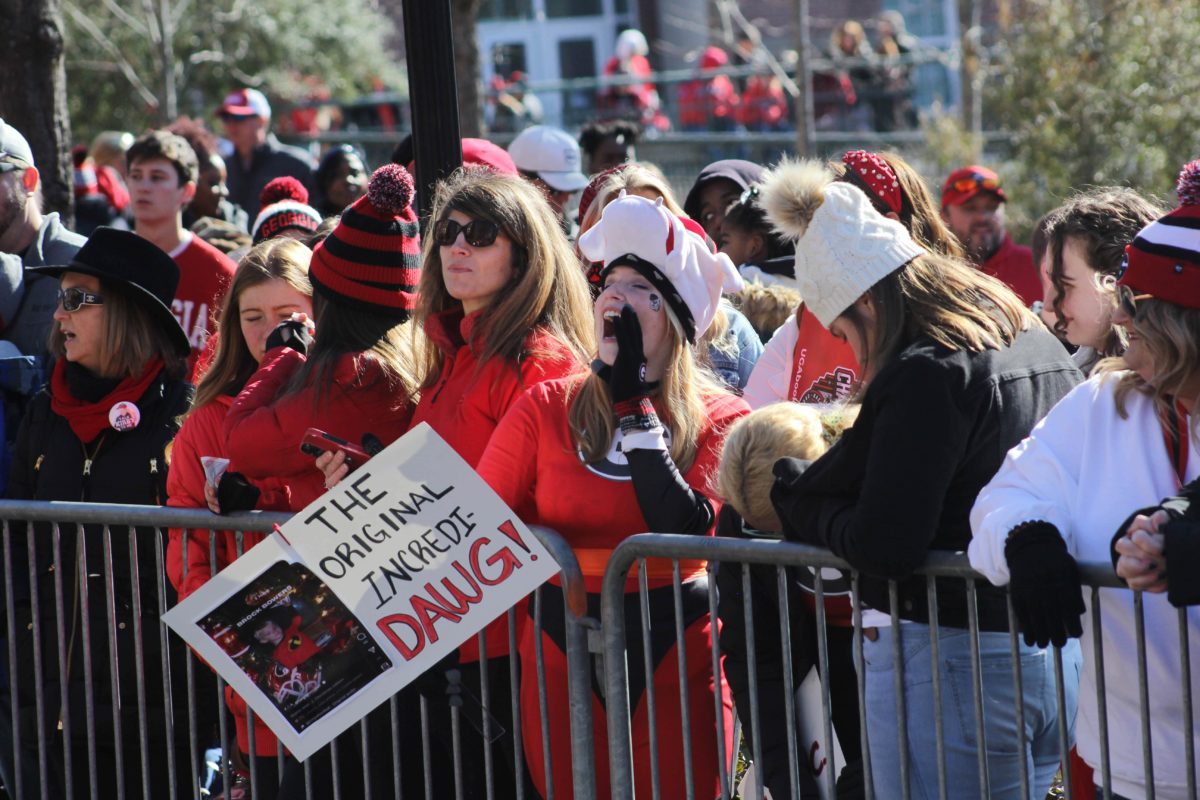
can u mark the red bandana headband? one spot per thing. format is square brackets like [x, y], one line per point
[878, 175]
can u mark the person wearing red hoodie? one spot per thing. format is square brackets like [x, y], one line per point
[358, 375]
[503, 307]
[271, 284]
[638, 438]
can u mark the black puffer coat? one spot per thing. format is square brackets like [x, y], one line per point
[51, 463]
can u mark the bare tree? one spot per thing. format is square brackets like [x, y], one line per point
[466, 66]
[33, 92]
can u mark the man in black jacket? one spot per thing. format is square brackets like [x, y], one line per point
[258, 157]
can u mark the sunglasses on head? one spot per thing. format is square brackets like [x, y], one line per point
[1128, 300]
[477, 232]
[75, 298]
[975, 180]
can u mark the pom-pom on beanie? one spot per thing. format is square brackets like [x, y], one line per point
[1163, 260]
[284, 203]
[640, 233]
[372, 258]
[843, 245]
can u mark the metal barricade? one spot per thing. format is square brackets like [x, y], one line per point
[940, 571]
[100, 700]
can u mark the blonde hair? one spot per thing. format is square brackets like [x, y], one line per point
[681, 404]
[232, 365]
[634, 177]
[1171, 335]
[766, 307]
[547, 289]
[755, 442]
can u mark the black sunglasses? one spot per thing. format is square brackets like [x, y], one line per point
[477, 232]
[1129, 300]
[75, 298]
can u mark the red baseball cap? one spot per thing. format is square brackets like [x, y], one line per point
[965, 183]
[245, 103]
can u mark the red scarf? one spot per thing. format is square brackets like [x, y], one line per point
[89, 420]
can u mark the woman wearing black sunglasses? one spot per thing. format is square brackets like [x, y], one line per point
[98, 434]
[1124, 440]
[503, 306]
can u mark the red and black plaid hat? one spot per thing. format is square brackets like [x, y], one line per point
[1163, 261]
[372, 259]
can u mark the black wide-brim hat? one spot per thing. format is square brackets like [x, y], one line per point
[123, 257]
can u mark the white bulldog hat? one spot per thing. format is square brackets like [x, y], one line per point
[642, 234]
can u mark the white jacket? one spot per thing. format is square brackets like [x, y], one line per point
[773, 371]
[1085, 470]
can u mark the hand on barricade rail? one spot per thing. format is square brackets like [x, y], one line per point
[1044, 581]
[1138, 555]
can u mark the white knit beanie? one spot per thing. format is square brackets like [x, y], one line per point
[843, 245]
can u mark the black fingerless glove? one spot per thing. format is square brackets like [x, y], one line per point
[235, 493]
[291, 333]
[1044, 582]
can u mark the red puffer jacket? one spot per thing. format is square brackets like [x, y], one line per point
[469, 399]
[263, 431]
[202, 434]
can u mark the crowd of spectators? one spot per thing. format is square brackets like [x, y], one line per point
[825, 352]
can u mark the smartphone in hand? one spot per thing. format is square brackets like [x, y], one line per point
[317, 441]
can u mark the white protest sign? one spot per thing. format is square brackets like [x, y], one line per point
[362, 591]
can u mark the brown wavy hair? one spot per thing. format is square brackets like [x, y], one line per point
[1103, 221]
[547, 291]
[945, 299]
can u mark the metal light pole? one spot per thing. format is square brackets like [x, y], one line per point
[433, 95]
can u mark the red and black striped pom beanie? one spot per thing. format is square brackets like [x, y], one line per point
[372, 259]
[1163, 261]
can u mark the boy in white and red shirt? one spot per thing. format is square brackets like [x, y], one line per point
[162, 171]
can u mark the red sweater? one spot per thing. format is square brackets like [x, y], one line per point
[1013, 264]
[263, 431]
[469, 398]
[202, 435]
[204, 275]
[592, 506]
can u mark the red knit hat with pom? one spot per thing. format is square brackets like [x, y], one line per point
[1163, 260]
[284, 203]
[372, 258]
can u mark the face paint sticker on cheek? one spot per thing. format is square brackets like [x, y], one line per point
[655, 303]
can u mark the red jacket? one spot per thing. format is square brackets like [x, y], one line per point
[202, 435]
[764, 105]
[466, 403]
[1013, 264]
[593, 506]
[468, 400]
[263, 431]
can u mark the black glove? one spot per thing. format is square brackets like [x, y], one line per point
[235, 493]
[1045, 586]
[291, 333]
[627, 379]
[372, 444]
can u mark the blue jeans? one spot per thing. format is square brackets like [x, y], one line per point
[1041, 754]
